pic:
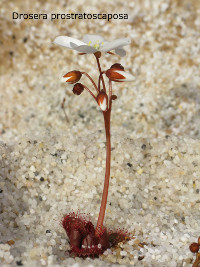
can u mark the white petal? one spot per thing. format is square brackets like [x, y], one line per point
[128, 77]
[67, 41]
[103, 106]
[120, 51]
[64, 79]
[119, 43]
[92, 39]
[84, 49]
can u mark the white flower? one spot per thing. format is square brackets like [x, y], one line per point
[93, 43]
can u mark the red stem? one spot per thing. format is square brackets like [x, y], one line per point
[98, 230]
[90, 92]
[110, 94]
[91, 81]
[197, 261]
[101, 76]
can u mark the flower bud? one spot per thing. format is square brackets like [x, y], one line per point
[118, 75]
[194, 247]
[117, 66]
[78, 88]
[72, 76]
[102, 100]
[113, 97]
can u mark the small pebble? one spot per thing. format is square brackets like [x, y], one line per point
[19, 263]
[11, 242]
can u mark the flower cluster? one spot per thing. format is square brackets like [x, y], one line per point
[95, 44]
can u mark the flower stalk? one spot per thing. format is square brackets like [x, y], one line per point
[100, 76]
[99, 227]
[107, 117]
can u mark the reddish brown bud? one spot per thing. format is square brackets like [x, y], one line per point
[199, 240]
[118, 75]
[194, 247]
[113, 97]
[102, 100]
[117, 66]
[78, 88]
[72, 76]
[113, 75]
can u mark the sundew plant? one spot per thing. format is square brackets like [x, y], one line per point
[85, 239]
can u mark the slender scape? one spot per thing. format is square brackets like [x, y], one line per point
[106, 115]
